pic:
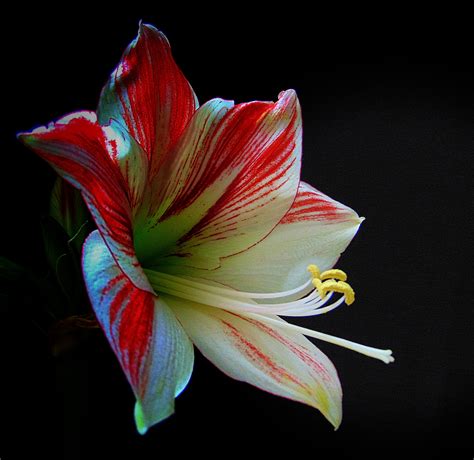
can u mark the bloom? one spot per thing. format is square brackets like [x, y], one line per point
[206, 235]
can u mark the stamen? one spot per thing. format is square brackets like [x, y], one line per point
[314, 270]
[333, 274]
[311, 302]
[157, 276]
[330, 284]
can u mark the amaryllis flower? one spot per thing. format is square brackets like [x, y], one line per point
[206, 235]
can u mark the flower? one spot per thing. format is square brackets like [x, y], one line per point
[206, 235]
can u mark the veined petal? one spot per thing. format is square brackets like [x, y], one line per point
[167, 212]
[131, 160]
[149, 95]
[98, 161]
[234, 188]
[316, 230]
[281, 362]
[153, 350]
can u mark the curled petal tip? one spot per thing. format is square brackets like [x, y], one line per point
[27, 138]
[144, 28]
[336, 422]
[287, 94]
[288, 102]
[141, 26]
[20, 136]
[148, 32]
[333, 413]
[356, 219]
[142, 426]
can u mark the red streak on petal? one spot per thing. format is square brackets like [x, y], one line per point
[245, 141]
[111, 283]
[118, 303]
[312, 205]
[298, 350]
[130, 327]
[135, 333]
[259, 358]
[156, 100]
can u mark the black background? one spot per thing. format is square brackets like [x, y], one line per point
[388, 112]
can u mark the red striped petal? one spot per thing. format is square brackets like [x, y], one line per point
[316, 230]
[151, 346]
[233, 180]
[273, 359]
[87, 155]
[149, 95]
[312, 205]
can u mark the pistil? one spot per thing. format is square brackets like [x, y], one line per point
[313, 297]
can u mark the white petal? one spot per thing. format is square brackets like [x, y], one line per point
[316, 230]
[281, 362]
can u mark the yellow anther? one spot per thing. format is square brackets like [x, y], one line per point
[318, 284]
[314, 270]
[347, 290]
[326, 282]
[339, 286]
[333, 274]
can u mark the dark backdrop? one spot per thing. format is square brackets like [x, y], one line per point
[388, 113]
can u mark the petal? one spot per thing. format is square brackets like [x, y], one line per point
[131, 160]
[97, 160]
[235, 187]
[280, 362]
[316, 230]
[154, 351]
[149, 95]
[169, 213]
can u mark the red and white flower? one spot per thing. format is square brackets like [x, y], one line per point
[205, 234]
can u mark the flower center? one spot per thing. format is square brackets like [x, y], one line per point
[309, 299]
